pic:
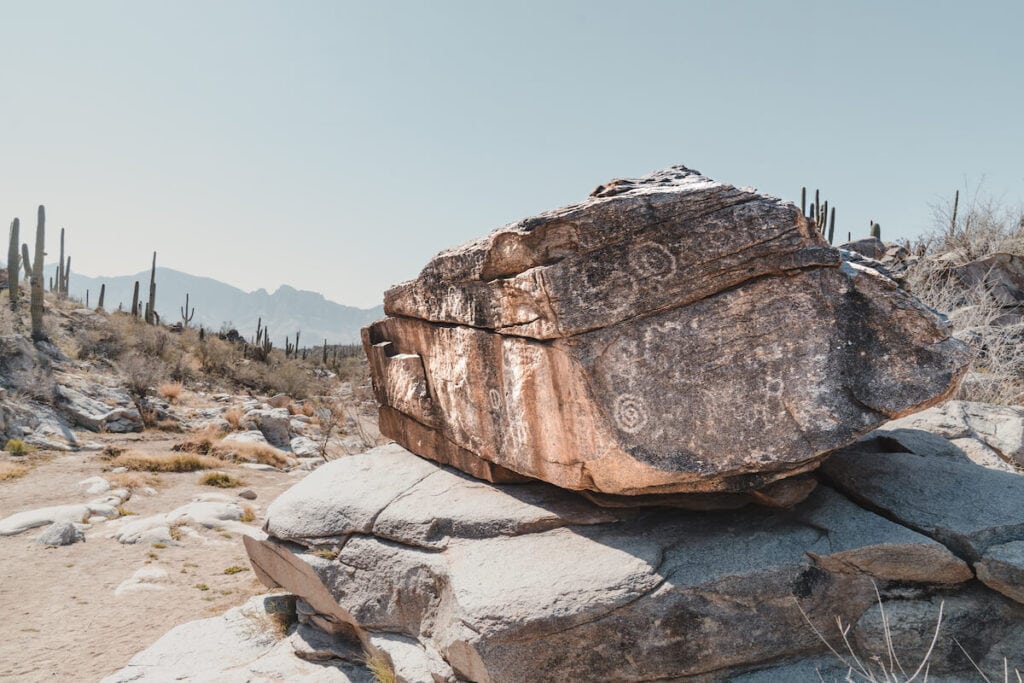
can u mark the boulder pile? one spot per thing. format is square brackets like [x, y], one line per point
[670, 334]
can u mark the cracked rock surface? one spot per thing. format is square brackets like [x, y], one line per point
[461, 580]
[670, 334]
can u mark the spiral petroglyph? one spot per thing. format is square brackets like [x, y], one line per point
[630, 413]
[652, 260]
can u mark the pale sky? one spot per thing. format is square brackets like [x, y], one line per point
[337, 146]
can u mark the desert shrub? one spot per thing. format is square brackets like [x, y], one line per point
[221, 480]
[166, 462]
[140, 374]
[99, 342]
[248, 514]
[18, 447]
[9, 470]
[235, 569]
[171, 391]
[978, 229]
[380, 667]
[216, 356]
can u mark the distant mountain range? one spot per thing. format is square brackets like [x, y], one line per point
[217, 304]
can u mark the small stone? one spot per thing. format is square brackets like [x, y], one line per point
[60, 533]
[248, 494]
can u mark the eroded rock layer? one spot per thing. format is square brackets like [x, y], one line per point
[669, 334]
[454, 579]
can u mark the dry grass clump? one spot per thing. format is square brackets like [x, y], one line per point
[17, 447]
[248, 514]
[250, 452]
[221, 480]
[234, 417]
[9, 470]
[133, 480]
[210, 442]
[380, 667]
[166, 462]
[171, 391]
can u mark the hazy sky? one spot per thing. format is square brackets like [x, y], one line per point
[337, 146]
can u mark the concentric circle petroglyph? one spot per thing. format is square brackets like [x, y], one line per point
[494, 396]
[652, 260]
[630, 413]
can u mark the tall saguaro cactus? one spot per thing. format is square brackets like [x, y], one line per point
[103, 293]
[13, 264]
[151, 308]
[60, 267]
[186, 314]
[135, 300]
[37, 277]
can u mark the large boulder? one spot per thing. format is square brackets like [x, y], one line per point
[501, 583]
[668, 334]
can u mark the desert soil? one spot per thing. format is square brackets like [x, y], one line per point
[61, 618]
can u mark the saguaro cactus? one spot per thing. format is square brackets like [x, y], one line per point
[103, 293]
[135, 300]
[26, 261]
[13, 264]
[151, 307]
[62, 286]
[37, 277]
[876, 230]
[60, 267]
[186, 315]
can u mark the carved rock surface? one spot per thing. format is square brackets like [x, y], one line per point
[500, 583]
[669, 334]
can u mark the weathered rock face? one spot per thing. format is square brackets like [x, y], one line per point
[669, 334]
[454, 579]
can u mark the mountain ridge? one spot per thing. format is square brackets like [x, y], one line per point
[218, 305]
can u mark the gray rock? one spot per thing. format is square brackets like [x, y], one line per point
[30, 519]
[98, 407]
[530, 583]
[1001, 568]
[275, 424]
[248, 494]
[917, 491]
[1000, 428]
[304, 447]
[240, 646]
[60, 533]
[252, 436]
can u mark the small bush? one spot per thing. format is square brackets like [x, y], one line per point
[235, 569]
[220, 480]
[327, 553]
[11, 471]
[202, 587]
[110, 451]
[380, 668]
[248, 514]
[159, 546]
[171, 391]
[18, 447]
[166, 462]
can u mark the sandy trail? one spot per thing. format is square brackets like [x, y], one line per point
[61, 620]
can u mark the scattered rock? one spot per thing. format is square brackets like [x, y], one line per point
[210, 514]
[144, 579]
[248, 494]
[279, 400]
[275, 424]
[1001, 568]
[241, 645]
[304, 447]
[642, 342]
[60, 533]
[252, 436]
[30, 519]
[94, 485]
